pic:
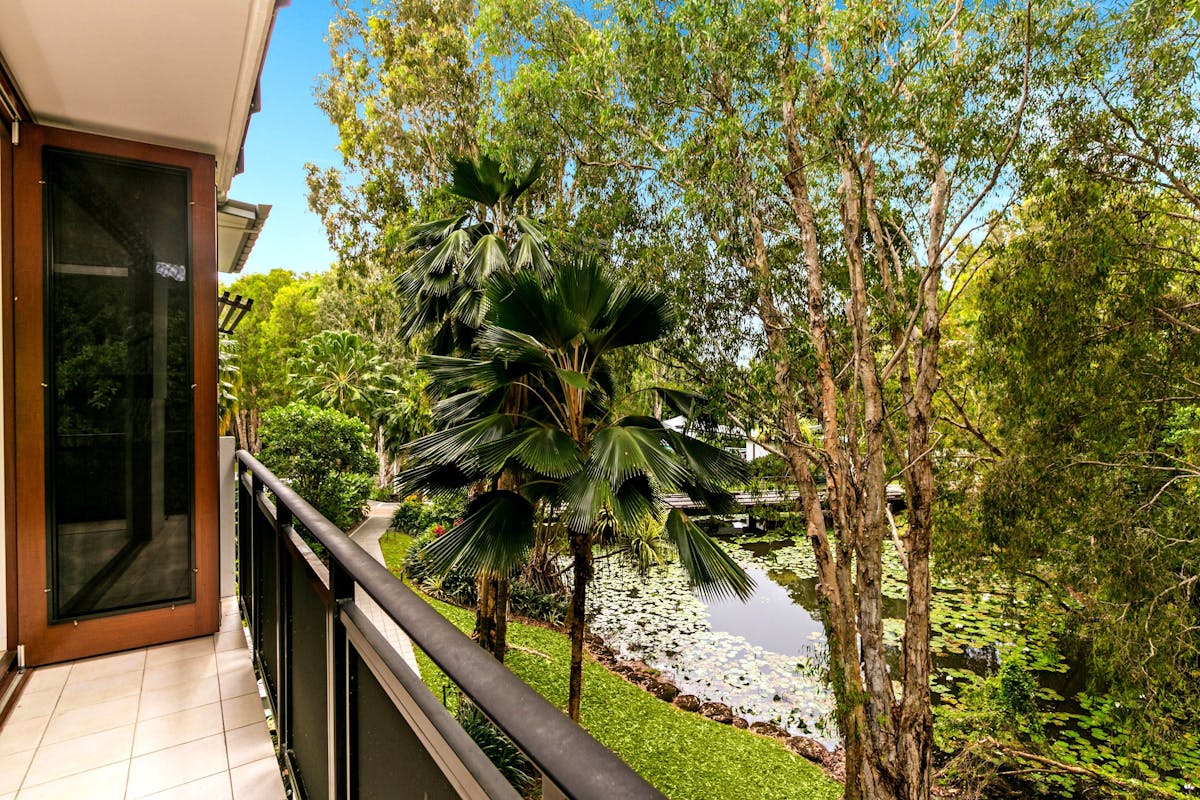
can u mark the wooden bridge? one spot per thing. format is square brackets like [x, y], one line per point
[771, 498]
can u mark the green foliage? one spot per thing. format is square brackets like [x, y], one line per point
[518, 770]
[458, 585]
[325, 457]
[284, 315]
[229, 382]
[337, 369]
[682, 754]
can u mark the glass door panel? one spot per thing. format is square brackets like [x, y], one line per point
[119, 433]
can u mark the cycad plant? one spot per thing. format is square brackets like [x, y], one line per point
[532, 415]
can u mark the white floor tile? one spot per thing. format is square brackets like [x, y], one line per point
[230, 640]
[73, 756]
[184, 670]
[177, 651]
[35, 704]
[242, 711]
[12, 770]
[76, 722]
[175, 766]
[238, 682]
[174, 729]
[52, 677]
[214, 787]
[249, 743]
[99, 690]
[258, 780]
[160, 702]
[20, 735]
[106, 666]
[102, 783]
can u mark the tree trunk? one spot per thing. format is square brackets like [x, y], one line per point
[485, 612]
[500, 618]
[581, 550]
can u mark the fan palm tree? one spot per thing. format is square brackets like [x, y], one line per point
[442, 292]
[337, 369]
[443, 287]
[547, 344]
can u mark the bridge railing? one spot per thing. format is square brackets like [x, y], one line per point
[353, 720]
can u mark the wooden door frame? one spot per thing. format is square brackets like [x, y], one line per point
[6, 378]
[45, 643]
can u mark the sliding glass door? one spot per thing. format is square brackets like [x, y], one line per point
[118, 443]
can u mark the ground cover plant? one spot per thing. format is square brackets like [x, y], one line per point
[684, 755]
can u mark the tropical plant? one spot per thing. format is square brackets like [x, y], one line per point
[229, 382]
[324, 455]
[531, 416]
[443, 286]
[338, 369]
[442, 289]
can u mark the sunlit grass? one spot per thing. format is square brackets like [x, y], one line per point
[684, 755]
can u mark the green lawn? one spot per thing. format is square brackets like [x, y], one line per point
[685, 755]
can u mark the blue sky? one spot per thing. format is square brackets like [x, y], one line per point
[289, 131]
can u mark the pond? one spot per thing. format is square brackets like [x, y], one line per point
[764, 657]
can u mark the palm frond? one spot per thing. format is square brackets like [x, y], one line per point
[634, 315]
[433, 479]
[549, 451]
[711, 466]
[619, 453]
[428, 234]
[493, 536]
[519, 183]
[710, 570]
[489, 255]
[477, 180]
[680, 401]
[456, 445]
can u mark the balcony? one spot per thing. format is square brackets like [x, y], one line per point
[178, 720]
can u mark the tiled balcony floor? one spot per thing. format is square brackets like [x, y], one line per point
[181, 720]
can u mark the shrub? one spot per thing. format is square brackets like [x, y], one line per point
[324, 455]
[528, 602]
[417, 516]
[457, 585]
[504, 755]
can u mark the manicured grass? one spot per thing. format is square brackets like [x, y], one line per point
[684, 755]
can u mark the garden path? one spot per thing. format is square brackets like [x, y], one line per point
[367, 534]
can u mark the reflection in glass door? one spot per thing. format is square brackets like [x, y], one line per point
[119, 385]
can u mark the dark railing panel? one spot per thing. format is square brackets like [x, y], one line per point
[379, 733]
[446, 763]
[245, 548]
[354, 721]
[267, 597]
[307, 720]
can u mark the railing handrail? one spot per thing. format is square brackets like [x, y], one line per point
[566, 754]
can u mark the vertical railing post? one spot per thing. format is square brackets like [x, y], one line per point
[242, 569]
[283, 623]
[341, 690]
[257, 587]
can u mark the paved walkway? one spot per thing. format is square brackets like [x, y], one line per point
[368, 534]
[181, 720]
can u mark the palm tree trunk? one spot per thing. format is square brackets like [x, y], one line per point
[500, 618]
[485, 616]
[581, 550]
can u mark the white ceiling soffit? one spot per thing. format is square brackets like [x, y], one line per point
[238, 226]
[180, 73]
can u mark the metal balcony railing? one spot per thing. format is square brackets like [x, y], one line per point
[353, 719]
